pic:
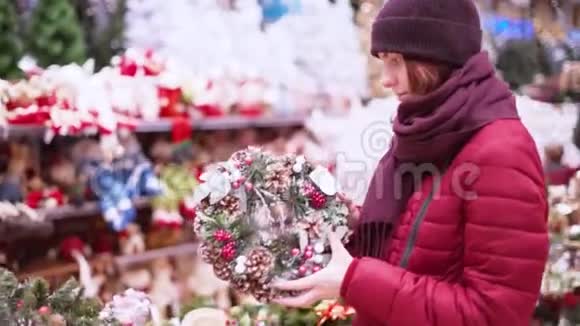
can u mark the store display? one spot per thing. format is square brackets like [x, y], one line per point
[32, 302]
[260, 216]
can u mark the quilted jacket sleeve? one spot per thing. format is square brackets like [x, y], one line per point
[505, 249]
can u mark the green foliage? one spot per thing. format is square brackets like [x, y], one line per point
[9, 41]
[54, 34]
[21, 302]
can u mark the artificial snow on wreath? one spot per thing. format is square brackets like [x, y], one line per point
[261, 217]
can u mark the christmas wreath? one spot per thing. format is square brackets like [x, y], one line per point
[261, 217]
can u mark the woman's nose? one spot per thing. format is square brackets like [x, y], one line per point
[389, 82]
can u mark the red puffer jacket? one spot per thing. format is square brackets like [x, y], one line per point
[471, 253]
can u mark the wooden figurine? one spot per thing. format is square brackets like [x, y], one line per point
[133, 242]
[164, 292]
[204, 283]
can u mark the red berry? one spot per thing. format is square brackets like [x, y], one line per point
[317, 200]
[249, 186]
[242, 179]
[295, 252]
[302, 270]
[222, 235]
[20, 304]
[309, 189]
[315, 269]
[248, 161]
[236, 184]
[308, 254]
[44, 310]
[309, 248]
[229, 251]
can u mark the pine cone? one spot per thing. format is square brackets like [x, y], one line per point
[230, 205]
[210, 254]
[241, 284]
[262, 293]
[277, 178]
[223, 271]
[259, 264]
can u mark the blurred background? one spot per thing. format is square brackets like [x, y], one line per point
[111, 109]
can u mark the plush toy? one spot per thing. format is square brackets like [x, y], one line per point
[124, 175]
[41, 196]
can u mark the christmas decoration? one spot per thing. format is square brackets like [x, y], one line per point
[32, 303]
[329, 311]
[129, 308]
[55, 36]
[11, 44]
[273, 226]
[124, 175]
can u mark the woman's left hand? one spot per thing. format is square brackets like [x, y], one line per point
[322, 285]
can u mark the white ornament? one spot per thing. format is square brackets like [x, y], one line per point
[297, 168]
[319, 259]
[319, 248]
[240, 269]
[241, 260]
[324, 180]
[574, 230]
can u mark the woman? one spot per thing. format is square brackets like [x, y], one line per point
[453, 228]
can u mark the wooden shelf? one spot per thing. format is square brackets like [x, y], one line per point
[86, 209]
[164, 125]
[189, 248]
[62, 269]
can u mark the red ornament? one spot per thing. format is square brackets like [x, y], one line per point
[236, 184]
[302, 270]
[229, 251]
[44, 310]
[295, 252]
[316, 269]
[248, 161]
[309, 248]
[188, 212]
[249, 186]
[70, 245]
[308, 254]
[222, 235]
[317, 200]
[242, 179]
[570, 300]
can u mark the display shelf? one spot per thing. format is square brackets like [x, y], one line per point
[59, 269]
[164, 125]
[86, 209]
[189, 248]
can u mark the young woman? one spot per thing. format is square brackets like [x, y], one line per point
[453, 228]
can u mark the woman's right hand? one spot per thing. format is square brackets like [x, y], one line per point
[353, 210]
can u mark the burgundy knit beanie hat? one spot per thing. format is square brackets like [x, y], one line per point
[446, 31]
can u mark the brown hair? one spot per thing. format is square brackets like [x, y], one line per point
[425, 76]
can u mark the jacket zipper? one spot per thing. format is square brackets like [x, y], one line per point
[415, 229]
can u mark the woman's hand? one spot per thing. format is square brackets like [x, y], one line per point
[353, 210]
[322, 285]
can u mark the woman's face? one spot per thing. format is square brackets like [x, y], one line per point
[395, 74]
